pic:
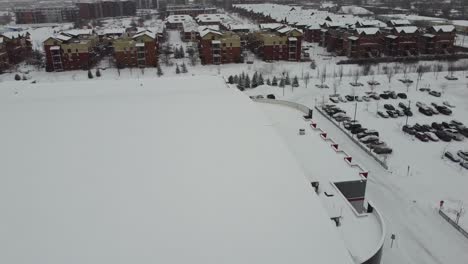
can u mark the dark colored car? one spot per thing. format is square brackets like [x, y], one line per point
[402, 95]
[352, 125]
[383, 150]
[437, 126]
[451, 157]
[403, 106]
[464, 131]
[425, 111]
[271, 96]
[350, 98]
[421, 136]
[384, 96]
[444, 110]
[389, 107]
[399, 113]
[444, 136]
[392, 114]
[435, 93]
[464, 165]
[463, 154]
[409, 130]
[375, 96]
[358, 130]
[408, 112]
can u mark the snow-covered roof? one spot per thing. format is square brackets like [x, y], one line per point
[206, 31]
[216, 42]
[139, 44]
[407, 30]
[178, 19]
[212, 18]
[367, 31]
[112, 31]
[171, 186]
[400, 22]
[62, 37]
[355, 10]
[292, 39]
[444, 28]
[428, 35]
[14, 34]
[78, 32]
[145, 33]
[271, 26]
[391, 36]
[55, 48]
[353, 38]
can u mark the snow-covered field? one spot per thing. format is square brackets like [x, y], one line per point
[167, 170]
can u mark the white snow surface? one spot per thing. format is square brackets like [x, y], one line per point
[168, 170]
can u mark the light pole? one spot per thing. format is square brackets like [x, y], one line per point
[409, 108]
[355, 111]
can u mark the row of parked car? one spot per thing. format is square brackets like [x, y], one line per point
[435, 109]
[461, 158]
[368, 137]
[453, 130]
[368, 97]
[431, 92]
[394, 112]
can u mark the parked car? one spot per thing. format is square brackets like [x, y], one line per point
[402, 95]
[366, 99]
[421, 136]
[409, 130]
[384, 96]
[352, 125]
[358, 130]
[403, 106]
[399, 113]
[444, 136]
[392, 114]
[444, 110]
[369, 139]
[464, 132]
[383, 150]
[421, 104]
[455, 134]
[382, 114]
[435, 93]
[350, 98]
[451, 157]
[358, 99]
[437, 126]
[446, 103]
[463, 154]
[431, 136]
[334, 99]
[425, 111]
[389, 107]
[456, 122]
[464, 165]
[341, 99]
[377, 144]
[433, 111]
[408, 112]
[271, 96]
[375, 96]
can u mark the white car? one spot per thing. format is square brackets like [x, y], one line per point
[432, 136]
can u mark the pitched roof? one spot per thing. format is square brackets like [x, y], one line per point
[368, 31]
[407, 30]
[444, 28]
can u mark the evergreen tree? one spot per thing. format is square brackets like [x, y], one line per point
[261, 81]
[25, 78]
[184, 67]
[295, 82]
[275, 81]
[90, 74]
[159, 71]
[17, 77]
[231, 79]
[287, 81]
[313, 65]
[268, 82]
[98, 73]
[255, 80]
[282, 83]
[241, 84]
[181, 52]
[177, 70]
[247, 81]
[236, 79]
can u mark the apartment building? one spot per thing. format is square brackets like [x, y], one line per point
[46, 14]
[71, 50]
[106, 8]
[138, 49]
[278, 42]
[217, 47]
[15, 47]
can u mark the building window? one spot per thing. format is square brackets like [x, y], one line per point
[69, 50]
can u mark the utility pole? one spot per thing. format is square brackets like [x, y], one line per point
[355, 111]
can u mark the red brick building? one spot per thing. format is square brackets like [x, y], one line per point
[278, 43]
[363, 43]
[106, 8]
[71, 51]
[217, 47]
[402, 41]
[438, 40]
[138, 50]
[15, 47]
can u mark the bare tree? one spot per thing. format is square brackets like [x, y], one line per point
[366, 68]
[335, 87]
[420, 71]
[438, 68]
[323, 76]
[340, 72]
[356, 76]
[405, 72]
[389, 72]
[306, 79]
[451, 69]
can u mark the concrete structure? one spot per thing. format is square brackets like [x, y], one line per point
[136, 50]
[177, 21]
[71, 50]
[216, 47]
